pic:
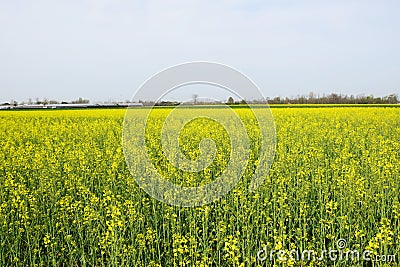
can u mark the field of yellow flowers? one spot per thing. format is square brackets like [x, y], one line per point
[67, 197]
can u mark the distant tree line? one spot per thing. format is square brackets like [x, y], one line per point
[45, 101]
[311, 98]
[335, 99]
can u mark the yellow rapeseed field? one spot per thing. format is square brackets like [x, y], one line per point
[67, 197]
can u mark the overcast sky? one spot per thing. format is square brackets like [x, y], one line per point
[105, 49]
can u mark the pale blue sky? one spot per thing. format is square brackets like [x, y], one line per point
[105, 49]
